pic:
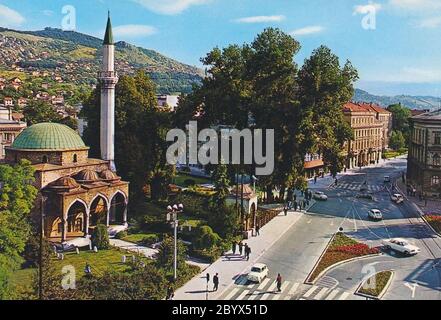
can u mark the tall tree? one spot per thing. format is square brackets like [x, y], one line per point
[400, 119]
[17, 196]
[324, 87]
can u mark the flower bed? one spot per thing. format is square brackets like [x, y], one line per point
[375, 290]
[434, 221]
[340, 249]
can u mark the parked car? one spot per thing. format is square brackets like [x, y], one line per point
[318, 195]
[386, 179]
[375, 214]
[258, 272]
[397, 198]
[402, 246]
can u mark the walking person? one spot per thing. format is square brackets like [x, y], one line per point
[240, 248]
[315, 179]
[295, 205]
[170, 293]
[216, 282]
[285, 210]
[247, 251]
[233, 247]
[279, 282]
[257, 230]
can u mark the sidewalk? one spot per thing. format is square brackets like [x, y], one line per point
[427, 207]
[232, 267]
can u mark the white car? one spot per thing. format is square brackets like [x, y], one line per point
[318, 195]
[402, 246]
[258, 272]
[397, 198]
[375, 214]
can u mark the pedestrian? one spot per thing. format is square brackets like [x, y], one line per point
[279, 282]
[295, 196]
[295, 205]
[248, 252]
[305, 203]
[240, 248]
[315, 179]
[234, 245]
[285, 210]
[170, 293]
[216, 282]
[258, 230]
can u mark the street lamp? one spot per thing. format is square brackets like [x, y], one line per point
[172, 216]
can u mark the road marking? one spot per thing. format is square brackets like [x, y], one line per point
[344, 296]
[277, 296]
[253, 295]
[272, 287]
[332, 294]
[232, 293]
[284, 285]
[320, 295]
[263, 284]
[310, 291]
[242, 295]
[294, 288]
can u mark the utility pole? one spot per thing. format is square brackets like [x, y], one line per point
[40, 263]
[172, 216]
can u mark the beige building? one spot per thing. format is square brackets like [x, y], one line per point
[9, 129]
[424, 158]
[369, 135]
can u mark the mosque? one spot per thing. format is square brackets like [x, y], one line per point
[76, 193]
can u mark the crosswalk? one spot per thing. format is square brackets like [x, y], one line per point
[356, 186]
[267, 290]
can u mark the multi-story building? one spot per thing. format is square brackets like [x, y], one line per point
[168, 101]
[368, 143]
[424, 159]
[9, 129]
[385, 117]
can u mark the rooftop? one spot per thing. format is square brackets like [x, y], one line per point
[49, 136]
[434, 115]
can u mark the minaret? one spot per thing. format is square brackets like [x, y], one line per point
[108, 80]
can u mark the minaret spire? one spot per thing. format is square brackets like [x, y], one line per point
[108, 80]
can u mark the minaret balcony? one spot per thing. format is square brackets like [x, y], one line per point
[107, 74]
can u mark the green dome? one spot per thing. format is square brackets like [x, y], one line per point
[49, 136]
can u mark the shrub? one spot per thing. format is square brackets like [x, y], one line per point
[100, 237]
[205, 238]
[148, 241]
[121, 235]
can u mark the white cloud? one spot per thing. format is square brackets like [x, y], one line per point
[410, 75]
[10, 17]
[260, 19]
[433, 22]
[48, 13]
[364, 9]
[307, 30]
[169, 7]
[416, 5]
[134, 31]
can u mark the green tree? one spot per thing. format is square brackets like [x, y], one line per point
[324, 87]
[17, 196]
[221, 183]
[38, 111]
[205, 238]
[224, 220]
[397, 140]
[165, 256]
[100, 237]
[400, 119]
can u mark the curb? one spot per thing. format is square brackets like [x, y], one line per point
[382, 293]
[318, 261]
[420, 212]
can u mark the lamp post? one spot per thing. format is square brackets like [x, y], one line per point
[172, 216]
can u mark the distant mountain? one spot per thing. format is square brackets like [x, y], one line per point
[412, 102]
[76, 58]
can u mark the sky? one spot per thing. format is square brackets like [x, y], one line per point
[394, 44]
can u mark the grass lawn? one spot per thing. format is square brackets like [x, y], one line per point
[340, 249]
[375, 289]
[181, 177]
[139, 237]
[394, 154]
[100, 262]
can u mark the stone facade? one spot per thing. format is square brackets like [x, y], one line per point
[424, 159]
[370, 135]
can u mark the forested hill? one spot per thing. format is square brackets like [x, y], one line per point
[75, 57]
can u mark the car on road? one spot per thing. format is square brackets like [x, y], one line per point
[397, 198]
[386, 179]
[318, 195]
[375, 214]
[365, 195]
[402, 246]
[258, 272]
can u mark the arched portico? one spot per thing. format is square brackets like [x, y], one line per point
[118, 209]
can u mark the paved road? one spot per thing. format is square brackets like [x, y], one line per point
[295, 254]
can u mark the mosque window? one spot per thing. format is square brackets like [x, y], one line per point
[75, 158]
[45, 160]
